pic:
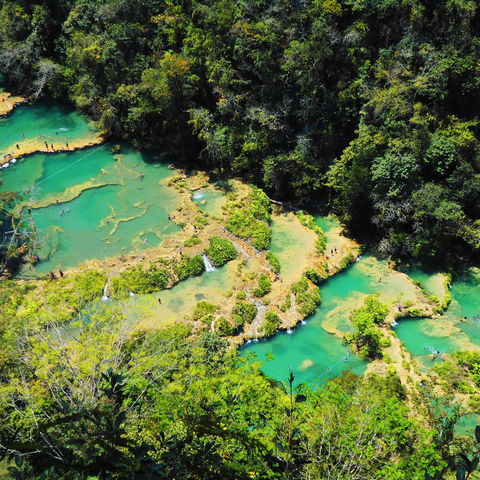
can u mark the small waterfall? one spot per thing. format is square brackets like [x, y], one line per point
[289, 331]
[105, 296]
[394, 323]
[208, 265]
[132, 294]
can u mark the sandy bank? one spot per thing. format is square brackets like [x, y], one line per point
[8, 102]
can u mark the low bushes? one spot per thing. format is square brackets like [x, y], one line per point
[204, 309]
[138, 280]
[307, 297]
[274, 262]
[315, 277]
[264, 286]
[220, 251]
[190, 267]
[250, 219]
[367, 337]
[243, 312]
[272, 322]
[347, 260]
[224, 327]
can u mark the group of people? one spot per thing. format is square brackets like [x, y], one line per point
[51, 146]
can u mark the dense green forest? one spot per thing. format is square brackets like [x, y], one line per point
[363, 108]
[366, 107]
[104, 402]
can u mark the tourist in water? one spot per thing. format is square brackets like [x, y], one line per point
[159, 300]
[18, 146]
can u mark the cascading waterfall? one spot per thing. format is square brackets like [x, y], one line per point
[208, 265]
[105, 296]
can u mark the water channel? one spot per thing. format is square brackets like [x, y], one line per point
[93, 203]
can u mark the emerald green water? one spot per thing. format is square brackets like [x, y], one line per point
[44, 172]
[90, 203]
[316, 355]
[452, 331]
[116, 203]
[210, 200]
[44, 121]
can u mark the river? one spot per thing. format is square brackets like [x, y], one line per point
[93, 203]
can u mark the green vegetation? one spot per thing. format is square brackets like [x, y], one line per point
[264, 286]
[307, 297]
[220, 251]
[203, 309]
[101, 400]
[17, 238]
[50, 302]
[138, 280]
[274, 262]
[121, 404]
[315, 277]
[223, 327]
[271, 324]
[309, 221]
[371, 106]
[460, 372]
[367, 338]
[347, 260]
[192, 241]
[200, 222]
[190, 267]
[243, 312]
[367, 107]
[250, 218]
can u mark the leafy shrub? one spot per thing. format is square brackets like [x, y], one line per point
[314, 276]
[145, 281]
[274, 262]
[347, 260]
[193, 240]
[367, 337]
[89, 285]
[207, 319]
[241, 295]
[220, 251]
[190, 267]
[202, 309]
[307, 298]
[300, 286]
[244, 312]
[224, 327]
[272, 322]
[200, 222]
[118, 287]
[250, 220]
[469, 361]
[307, 302]
[264, 286]
[287, 303]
